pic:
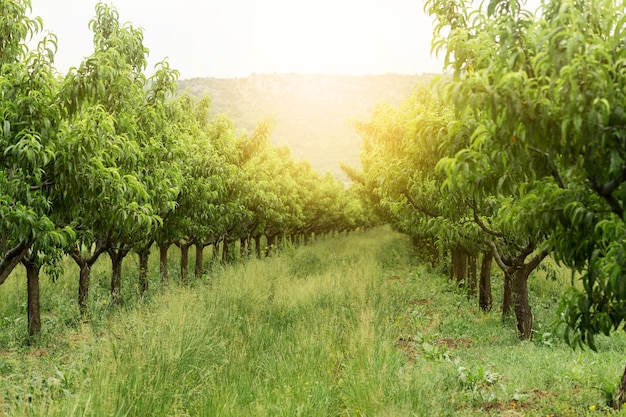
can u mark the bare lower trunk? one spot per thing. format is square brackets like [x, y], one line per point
[485, 300]
[117, 256]
[507, 298]
[163, 248]
[244, 248]
[523, 313]
[216, 252]
[257, 246]
[271, 244]
[471, 276]
[225, 250]
[83, 288]
[184, 261]
[459, 266]
[144, 256]
[34, 315]
[199, 260]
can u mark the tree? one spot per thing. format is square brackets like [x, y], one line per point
[30, 119]
[98, 184]
[554, 87]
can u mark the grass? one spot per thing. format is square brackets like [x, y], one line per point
[349, 326]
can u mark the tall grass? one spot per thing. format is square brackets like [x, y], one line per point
[348, 326]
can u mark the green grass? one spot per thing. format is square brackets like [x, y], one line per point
[349, 326]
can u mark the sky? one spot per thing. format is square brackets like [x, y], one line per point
[237, 38]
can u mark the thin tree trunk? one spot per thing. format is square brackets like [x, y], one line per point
[453, 262]
[460, 266]
[163, 248]
[216, 252]
[507, 299]
[34, 312]
[471, 276]
[523, 313]
[225, 250]
[257, 246]
[83, 287]
[199, 260]
[144, 256]
[184, 261]
[85, 264]
[271, 243]
[485, 299]
[243, 248]
[117, 256]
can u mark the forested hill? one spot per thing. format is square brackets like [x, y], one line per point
[310, 112]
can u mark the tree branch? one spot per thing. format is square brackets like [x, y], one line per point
[534, 263]
[13, 257]
[483, 226]
[40, 186]
[419, 207]
[554, 170]
[606, 192]
[496, 255]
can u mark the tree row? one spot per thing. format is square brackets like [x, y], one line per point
[517, 153]
[108, 160]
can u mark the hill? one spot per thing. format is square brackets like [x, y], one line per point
[310, 112]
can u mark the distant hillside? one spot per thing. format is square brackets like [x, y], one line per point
[310, 112]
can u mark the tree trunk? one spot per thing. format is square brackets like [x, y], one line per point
[485, 300]
[507, 299]
[215, 255]
[34, 314]
[243, 248]
[85, 264]
[184, 260]
[225, 250]
[471, 276]
[163, 248]
[199, 260]
[523, 313]
[271, 243]
[144, 255]
[453, 261]
[459, 265]
[257, 246]
[117, 256]
[620, 395]
[83, 285]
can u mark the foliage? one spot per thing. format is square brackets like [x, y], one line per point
[548, 89]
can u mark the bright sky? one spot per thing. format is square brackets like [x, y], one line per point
[235, 38]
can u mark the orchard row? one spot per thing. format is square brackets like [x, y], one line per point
[108, 160]
[516, 154]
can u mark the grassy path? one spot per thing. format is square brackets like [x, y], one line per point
[344, 327]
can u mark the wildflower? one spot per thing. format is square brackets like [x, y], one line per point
[592, 407]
